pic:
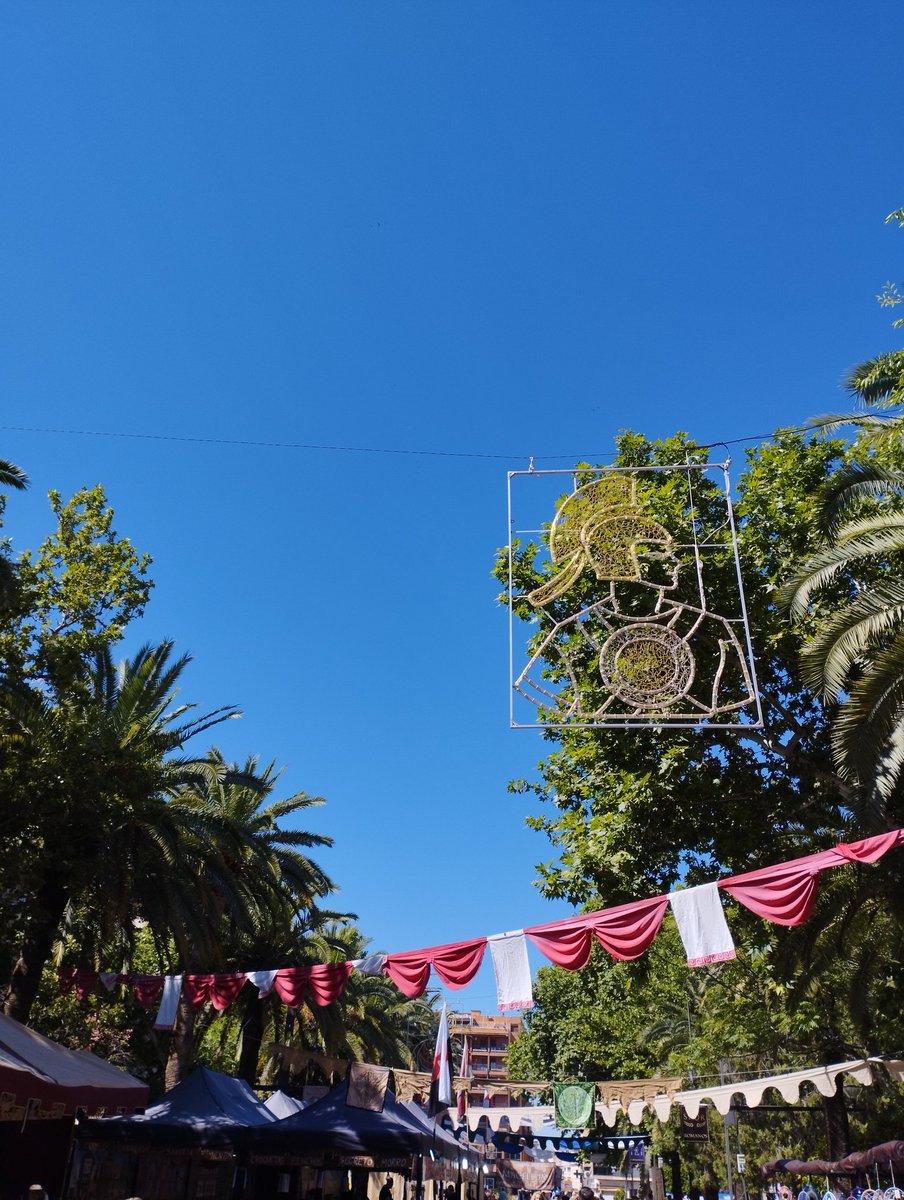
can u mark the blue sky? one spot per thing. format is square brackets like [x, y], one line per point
[464, 229]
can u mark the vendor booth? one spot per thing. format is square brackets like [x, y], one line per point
[189, 1144]
[42, 1087]
[334, 1150]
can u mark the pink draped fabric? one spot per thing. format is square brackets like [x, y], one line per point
[625, 932]
[147, 989]
[290, 984]
[784, 895]
[409, 971]
[871, 849]
[220, 989]
[225, 988]
[328, 980]
[84, 981]
[628, 931]
[566, 943]
[456, 964]
[197, 989]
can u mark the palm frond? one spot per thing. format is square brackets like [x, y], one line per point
[845, 639]
[12, 476]
[843, 493]
[878, 381]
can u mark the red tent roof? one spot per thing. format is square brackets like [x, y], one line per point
[35, 1069]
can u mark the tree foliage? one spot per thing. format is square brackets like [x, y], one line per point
[631, 812]
[634, 813]
[855, 660]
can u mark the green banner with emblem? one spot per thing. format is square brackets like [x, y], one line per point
[574, 1105]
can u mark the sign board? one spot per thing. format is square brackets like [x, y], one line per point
[695, 1129]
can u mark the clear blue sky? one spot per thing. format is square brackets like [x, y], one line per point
[497, 228]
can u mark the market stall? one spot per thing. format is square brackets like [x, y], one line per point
[42, 1087]
[189, 1143]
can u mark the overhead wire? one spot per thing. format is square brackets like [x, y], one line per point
[343, 449]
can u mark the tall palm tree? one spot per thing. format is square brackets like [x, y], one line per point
[371, 1021]
[268, 894]
[856, 658]
[11, 476]
[98, 780]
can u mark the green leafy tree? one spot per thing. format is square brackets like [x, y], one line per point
[630, 812]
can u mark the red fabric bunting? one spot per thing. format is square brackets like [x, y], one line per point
[84, 981]
[220, 989]
[290, 984]
[625, 932]
[197, 989]
[328, 981]
[870, 850]
[225, 988]
[325, 980]
[147, 988]
[409, 971]
[566, 943]
[784, 894]
[628, 931]
[456, 964]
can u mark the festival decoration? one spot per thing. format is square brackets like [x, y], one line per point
[627, 634]
[783, 893]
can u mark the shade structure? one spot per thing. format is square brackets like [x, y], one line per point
[332, 1130]
[35, 1071]
[206, 1109]
[283, 1105]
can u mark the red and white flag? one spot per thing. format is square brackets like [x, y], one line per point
[465, 1073]
[441, 1083]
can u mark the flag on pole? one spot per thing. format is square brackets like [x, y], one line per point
[465, 1073]
[441, 1083]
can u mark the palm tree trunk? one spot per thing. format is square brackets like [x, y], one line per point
[252, 1034]
[37, 943]
[837, 1128]
[182, 1046]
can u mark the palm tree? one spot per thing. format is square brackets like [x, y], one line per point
[856, 658]
[268, 890]
[97, 800]
[11, 476]
[371, 1021]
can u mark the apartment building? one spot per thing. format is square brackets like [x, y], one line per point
[489, 1037]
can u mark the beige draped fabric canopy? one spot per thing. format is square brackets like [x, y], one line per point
[634, 1097]
[657, 1096]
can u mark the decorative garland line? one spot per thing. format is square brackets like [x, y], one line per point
[783, 894]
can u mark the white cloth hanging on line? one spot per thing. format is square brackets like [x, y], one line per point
[702, 925]
[512, 970]
[263, 981]
[169, 1003]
